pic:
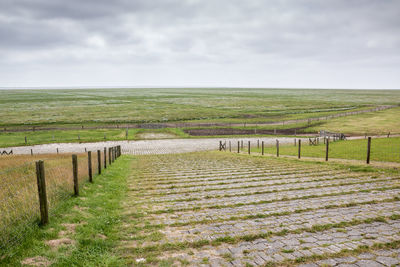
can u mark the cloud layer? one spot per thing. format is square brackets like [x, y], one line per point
[282, 43]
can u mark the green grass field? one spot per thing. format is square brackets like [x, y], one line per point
[382, 149]
[44, 107]
[246, 107]
[84, 226]
[75, 136]
[375, 123]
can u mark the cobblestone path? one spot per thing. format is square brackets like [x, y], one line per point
[224, 209]
[146, 147]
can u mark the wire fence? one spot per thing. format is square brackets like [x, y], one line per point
[367, 149]
[19, 183]
[182, 124]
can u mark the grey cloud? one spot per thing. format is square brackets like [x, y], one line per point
[206, 35]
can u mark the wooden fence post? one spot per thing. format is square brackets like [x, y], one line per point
[238, 146]
[262, 148]
[220, 145]
[242, 144]
[75, 174]
[105, 158]
[109, 156]
[230, 147]
[249, 148]
[299, 153]
[57, 150]
[90, 166]
[112, 154]
[31, 152]
[98, 162]
[369, 150]
[295, 142]
[327, 150]
[277, 147]
[41, 182]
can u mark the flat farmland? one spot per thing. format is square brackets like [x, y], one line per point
[178, 201]
[222, 209]
[30, 117]
[102, 106]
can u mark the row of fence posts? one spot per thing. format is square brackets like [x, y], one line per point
[183, 125]
[335, 137]
[79, 136]
[57, 150]
[222, 146]
[113, 154]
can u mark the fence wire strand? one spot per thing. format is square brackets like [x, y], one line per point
[19, 200]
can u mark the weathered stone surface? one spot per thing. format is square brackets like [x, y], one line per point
[266, 211]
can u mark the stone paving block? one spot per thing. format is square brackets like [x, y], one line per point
[387, 261]
[237, 188]
[368, 263]
[329, 262]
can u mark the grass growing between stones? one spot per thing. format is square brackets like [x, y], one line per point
[83, 230]
[275, 190]
[342, 253]
[166, 232]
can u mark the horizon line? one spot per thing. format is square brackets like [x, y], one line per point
[177, 87]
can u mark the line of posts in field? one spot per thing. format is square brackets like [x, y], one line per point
[240, 146]
[113, 154]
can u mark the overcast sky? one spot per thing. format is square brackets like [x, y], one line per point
[238, 43]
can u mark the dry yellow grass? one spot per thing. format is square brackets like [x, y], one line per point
[19, 204]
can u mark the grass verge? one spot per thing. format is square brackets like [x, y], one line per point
[82, 230]
[382, 149]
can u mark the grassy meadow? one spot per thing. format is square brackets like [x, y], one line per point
[76, 136]
[81, 231]
[244, 107]
[19, 204]
[382, 149]
[374, 123]
[98, 208]
[89, 106]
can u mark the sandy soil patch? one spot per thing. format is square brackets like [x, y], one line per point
[55, 243]
[149, 136]
[36, 261]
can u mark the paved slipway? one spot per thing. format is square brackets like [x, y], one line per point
[220, 209]
[145, 147]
